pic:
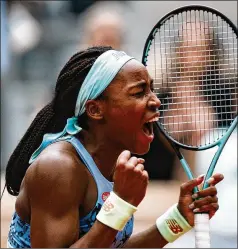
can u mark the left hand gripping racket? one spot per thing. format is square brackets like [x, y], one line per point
[192, 55]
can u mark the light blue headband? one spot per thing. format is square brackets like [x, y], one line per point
[103, 71]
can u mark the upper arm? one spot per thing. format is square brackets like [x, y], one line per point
[56, 186]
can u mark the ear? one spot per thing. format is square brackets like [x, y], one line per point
[94, 109]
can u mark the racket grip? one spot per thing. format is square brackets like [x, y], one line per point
[202, 230]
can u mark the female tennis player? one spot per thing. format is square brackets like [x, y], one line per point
[76, 183]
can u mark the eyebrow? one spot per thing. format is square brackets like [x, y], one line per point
[141, 84]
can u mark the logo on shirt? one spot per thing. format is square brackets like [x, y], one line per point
[105, 196]
[174, 226]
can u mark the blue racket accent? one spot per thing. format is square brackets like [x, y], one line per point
[192, 59]
[186, 169]
[221, 145]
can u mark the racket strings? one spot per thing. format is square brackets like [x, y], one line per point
[194, 65]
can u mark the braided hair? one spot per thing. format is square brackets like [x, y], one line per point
[53, 117]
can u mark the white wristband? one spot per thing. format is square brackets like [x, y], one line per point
[115, 212]
[172, 224]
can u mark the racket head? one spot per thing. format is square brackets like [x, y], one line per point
[197, 44]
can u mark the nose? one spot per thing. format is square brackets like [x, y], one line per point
[154, 102]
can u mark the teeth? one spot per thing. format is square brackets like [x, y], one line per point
[153, 120]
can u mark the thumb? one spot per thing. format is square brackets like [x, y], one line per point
[187, 187]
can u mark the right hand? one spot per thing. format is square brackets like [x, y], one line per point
[130, 178]
[206, 199]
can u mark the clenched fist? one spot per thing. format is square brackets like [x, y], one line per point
[130, 178]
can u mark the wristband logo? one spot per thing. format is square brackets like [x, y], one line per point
[174, 226]
[107, 206]
[105, 196]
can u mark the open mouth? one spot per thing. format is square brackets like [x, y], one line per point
[148, 126]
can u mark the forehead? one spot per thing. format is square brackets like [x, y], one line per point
[133, 70]
[130, 74]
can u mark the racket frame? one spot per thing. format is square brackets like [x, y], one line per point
[174, 12]
[220, 143]
[202, 228]
[175, 144]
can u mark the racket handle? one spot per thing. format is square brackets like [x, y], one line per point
[202, 231]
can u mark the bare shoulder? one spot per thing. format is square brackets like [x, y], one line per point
[57, 173]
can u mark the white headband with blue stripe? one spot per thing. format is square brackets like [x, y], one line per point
[103, 71]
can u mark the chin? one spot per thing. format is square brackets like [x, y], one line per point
[141, 150]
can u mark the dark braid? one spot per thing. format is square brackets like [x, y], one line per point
[52, 118]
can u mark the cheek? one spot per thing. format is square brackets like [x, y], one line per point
[125, 113]
[128, 115]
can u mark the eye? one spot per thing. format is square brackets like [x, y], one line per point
[140, 93]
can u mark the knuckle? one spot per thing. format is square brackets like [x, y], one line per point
[140, 166]
[145, 174]
[214, 190]
[215, 206]
[209, 199]
[183, 186]
[137, 170]
[130, 165]
[195, 203]
[125, 153]
[133, 158]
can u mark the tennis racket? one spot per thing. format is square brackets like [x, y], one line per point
[192, 55]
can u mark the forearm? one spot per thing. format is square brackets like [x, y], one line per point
[168, 227]
[99, 236]
[150, 238]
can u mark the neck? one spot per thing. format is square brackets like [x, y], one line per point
[98, 147]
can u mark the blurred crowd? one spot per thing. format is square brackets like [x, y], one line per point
[38, 37]
[42, 35]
